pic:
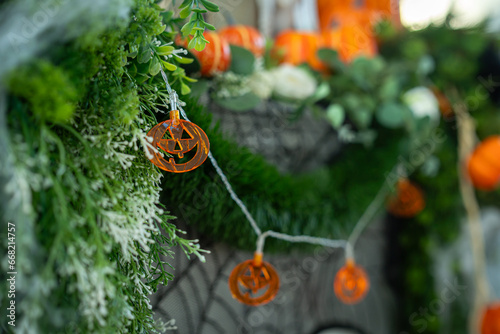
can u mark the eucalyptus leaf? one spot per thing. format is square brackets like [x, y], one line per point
[144, 55]
[391, 115]
[336, 115]
[154, 67]
[331, 58]
[242, 61]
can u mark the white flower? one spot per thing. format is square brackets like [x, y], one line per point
[293, 82]
[422, 102]
[261, 83]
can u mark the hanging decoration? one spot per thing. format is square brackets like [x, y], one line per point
[491, 320]
[254, 282]
[351, 283]
[178, 144]
[246, 37]
[408, 200]
[216, 57]
[484, 164]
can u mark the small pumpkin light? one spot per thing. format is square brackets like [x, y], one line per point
[484, 164]
[491, 320]
[254, 282]
[408, 200]
[246, 37]
[351, 283]
[178, 145]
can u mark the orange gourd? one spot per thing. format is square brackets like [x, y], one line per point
[351, 283]
[408, 200]
[295, 48]
[328, 11]
[246, 37]
[254, 282]
[178, 144]
[484, 164]
[491, 320]
[216, 57]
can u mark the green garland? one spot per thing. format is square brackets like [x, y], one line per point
[92, 238]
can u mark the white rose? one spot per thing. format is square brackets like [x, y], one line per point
[293, 82]
[261, 83]
[422, 102]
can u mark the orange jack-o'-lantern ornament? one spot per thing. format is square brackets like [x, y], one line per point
[351, 283]
[254, 282]
[408, 200]
[491, 320]
[184, 138]
[246, 37]
[484, 164]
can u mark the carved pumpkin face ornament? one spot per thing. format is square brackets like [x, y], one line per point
[491, 320]
[177, 144]
[408, 200]
[351, 283]
[254, 282]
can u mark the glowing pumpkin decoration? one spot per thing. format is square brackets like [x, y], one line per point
[484, 164]
[408, 200]
[491, 320]
[351, 283]
[295, 48]
[246, 37]
[216, 57]
[178, 144]
[254, 282]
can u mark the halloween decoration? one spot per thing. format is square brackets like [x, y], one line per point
[491, 320]
[254, 282]
[484, 164]
[408, 200]
[351, 283]
[177, 144]
[246, 37]
[295, 48]
[216, 57]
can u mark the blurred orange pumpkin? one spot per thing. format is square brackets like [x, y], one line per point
[484, 164]
[216, 57]
[355, 41]
[329, 11]
[491, 320]
[295, 48]
[408, 200]
[246, 37]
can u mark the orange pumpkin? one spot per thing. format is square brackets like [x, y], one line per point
[356, 40]
[484, 164]
[408, 200]
[246, 37]
[491, 320]
[254, 282]
[329, 10]
[351, 283]
[295, 48]
[216, 57]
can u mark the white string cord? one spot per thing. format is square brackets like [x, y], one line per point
[299, 238]
[348, 245]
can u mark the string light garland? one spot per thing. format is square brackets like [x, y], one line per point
[255, 282]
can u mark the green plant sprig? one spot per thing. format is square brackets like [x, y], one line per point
[196, 24]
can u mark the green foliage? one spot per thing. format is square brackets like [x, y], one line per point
[99, 240]
[242, 60]
[196, 24]
[36, 83]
